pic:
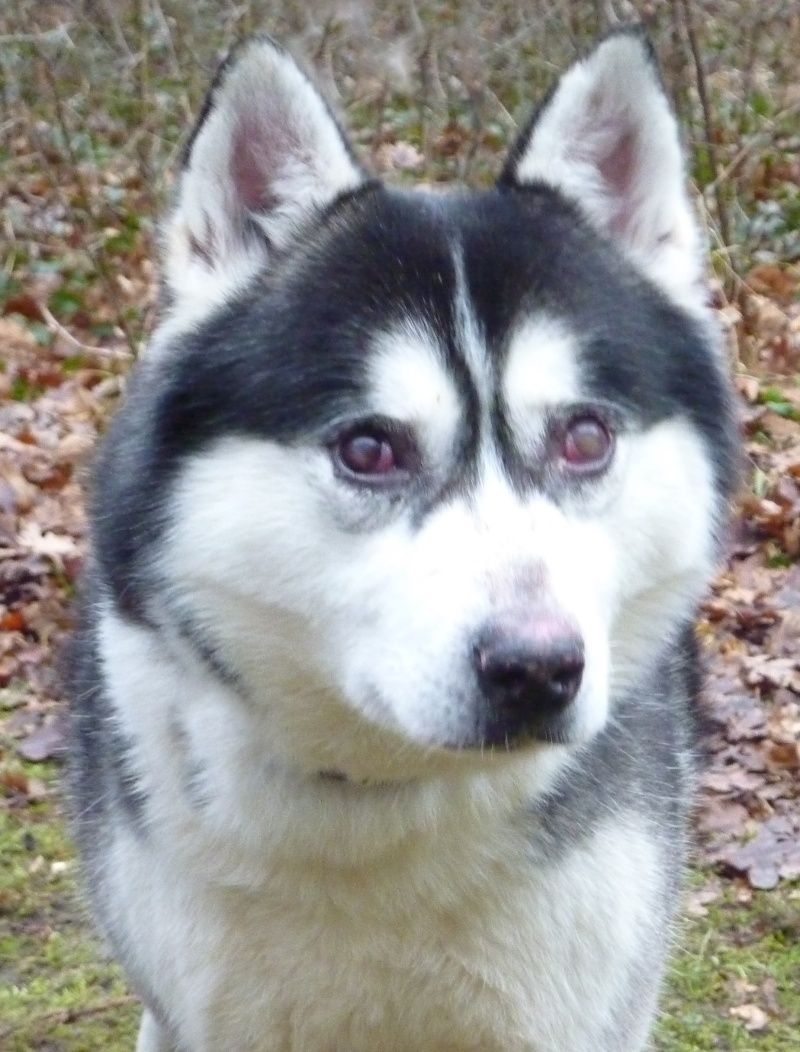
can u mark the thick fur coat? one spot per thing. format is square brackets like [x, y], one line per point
[383, 697]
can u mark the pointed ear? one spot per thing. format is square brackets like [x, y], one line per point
[265, 156]
[606, 137]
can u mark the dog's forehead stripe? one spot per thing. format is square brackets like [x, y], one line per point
[538, 366]
[470, 336]
[412, 376]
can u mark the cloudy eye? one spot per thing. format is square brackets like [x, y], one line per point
[587, 444]
[371, 454]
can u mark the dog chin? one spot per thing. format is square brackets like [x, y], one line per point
[575, 726]
[488, 739]
[493, 738]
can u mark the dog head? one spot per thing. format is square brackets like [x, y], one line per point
[426, 475]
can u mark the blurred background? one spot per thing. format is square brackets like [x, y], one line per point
[96, 98]
[98, 95]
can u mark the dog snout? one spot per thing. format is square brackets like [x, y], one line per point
[528, 672]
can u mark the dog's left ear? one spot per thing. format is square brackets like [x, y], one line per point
[607, 138]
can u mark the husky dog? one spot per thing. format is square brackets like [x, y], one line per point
[383, 695]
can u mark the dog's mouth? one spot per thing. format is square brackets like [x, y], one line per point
[335, 777]
[391, 758]
[483, 748]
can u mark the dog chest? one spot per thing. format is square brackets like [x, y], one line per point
[529, 957]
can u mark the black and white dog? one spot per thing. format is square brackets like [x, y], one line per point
[383, 696]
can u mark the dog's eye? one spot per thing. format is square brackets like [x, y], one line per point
[587, 444]
[368, 453]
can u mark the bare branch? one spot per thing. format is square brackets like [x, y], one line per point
[708, 121]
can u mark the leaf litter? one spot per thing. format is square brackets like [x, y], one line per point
[749, 819]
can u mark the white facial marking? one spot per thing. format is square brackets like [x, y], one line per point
[472, 344]
[411, 384]
[664, 524]
[541, 370]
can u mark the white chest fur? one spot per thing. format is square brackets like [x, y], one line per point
[403, 955]
[437, 929]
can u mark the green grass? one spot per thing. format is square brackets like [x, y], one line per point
[60, 992]
[741, 953]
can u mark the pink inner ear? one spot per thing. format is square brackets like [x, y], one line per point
[617, 169]
[262, 145]
[253, 164]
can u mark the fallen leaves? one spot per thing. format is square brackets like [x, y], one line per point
[45, 440]
[750, 819]
[755, 1019]
[52, 545]
[46, 742]
[760, 670]
[765, 322]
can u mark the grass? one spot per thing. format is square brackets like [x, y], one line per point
[60, 991]
[741, 953]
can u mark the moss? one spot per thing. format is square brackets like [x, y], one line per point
[740, 954]
[59, 991]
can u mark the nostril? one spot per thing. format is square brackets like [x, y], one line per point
[531, 673]
[568, 676]
[513, 677]
[501, 666]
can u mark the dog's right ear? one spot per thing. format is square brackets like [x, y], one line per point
[265, 156]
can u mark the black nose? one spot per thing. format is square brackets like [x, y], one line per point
[527, 677]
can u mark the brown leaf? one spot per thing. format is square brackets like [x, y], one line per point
[755, 1019]
[12, 621]
[769, 279]
[785, 755]
[14, 780]
[47, 741]
[722, 816]
[25, 304]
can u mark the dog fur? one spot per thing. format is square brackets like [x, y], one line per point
[304, 826]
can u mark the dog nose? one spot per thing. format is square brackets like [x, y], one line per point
[529, 674]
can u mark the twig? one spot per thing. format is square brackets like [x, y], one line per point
[70, 1015]
[501, 110]
[142, 67]
[116, 27]
[55, 326]
[48, 36]
[708, 121]
[97, 261]
[177, 72]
